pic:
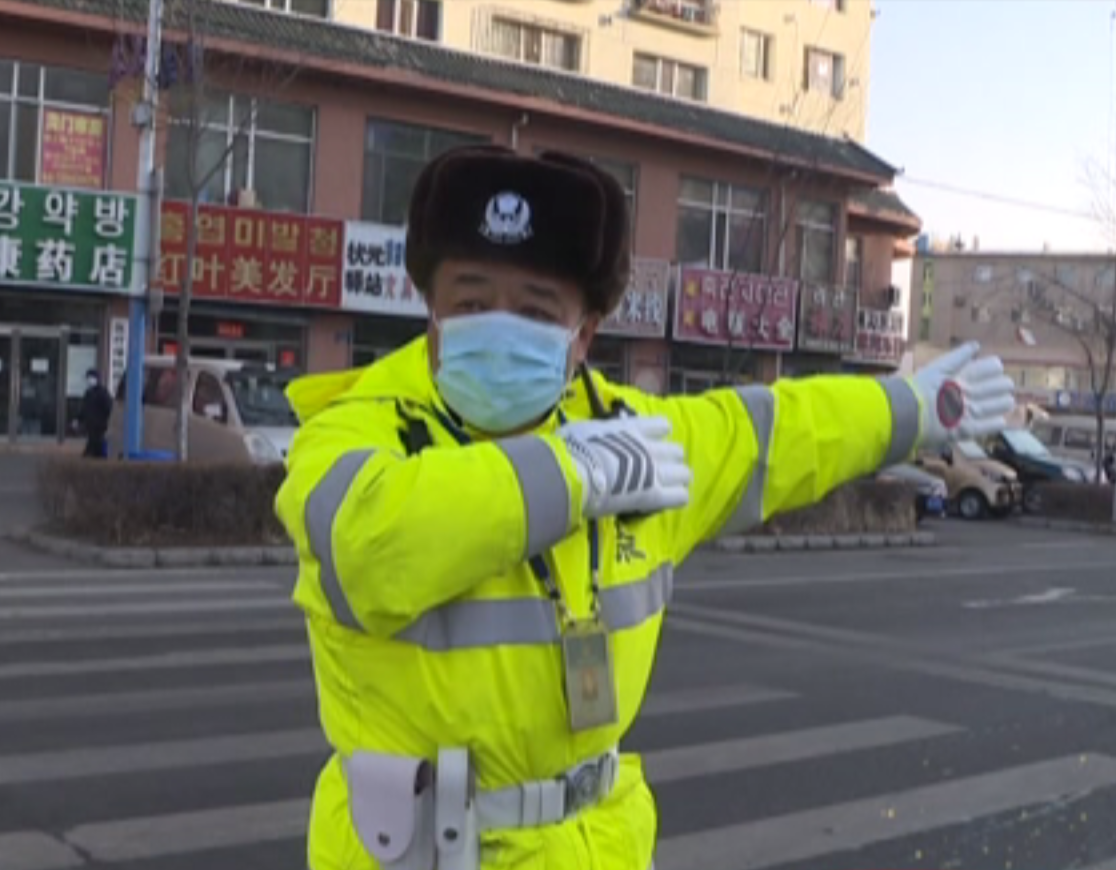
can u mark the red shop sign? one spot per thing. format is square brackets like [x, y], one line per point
[750, 311]
[251, 256]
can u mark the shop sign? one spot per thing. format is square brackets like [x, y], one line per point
[118, 351]
[827, 320]
[642, 311]
[251, 256]
[376, 280]
[73, 148]
[746, 311]
[879, 336]
[66, 239]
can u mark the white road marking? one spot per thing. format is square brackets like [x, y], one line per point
[710, 698]
[86, 611]
[31, 850]
[137, 589]
[196, 658]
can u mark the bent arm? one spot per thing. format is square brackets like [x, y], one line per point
[382, 537]
[757, 451]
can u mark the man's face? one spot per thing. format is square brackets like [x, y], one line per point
[461, 288]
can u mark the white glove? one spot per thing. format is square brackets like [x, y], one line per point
[627, 466]
[963, 397]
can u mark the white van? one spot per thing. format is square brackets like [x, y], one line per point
[238, 411]
[1074, 437]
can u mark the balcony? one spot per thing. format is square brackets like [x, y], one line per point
[697, 17]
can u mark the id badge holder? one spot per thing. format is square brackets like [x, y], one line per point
[587, 662]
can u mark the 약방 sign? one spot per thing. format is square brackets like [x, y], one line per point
[245, 255]
[642, 312]
[67, 239]
[748, 311]
[376, 280]
[827, 320]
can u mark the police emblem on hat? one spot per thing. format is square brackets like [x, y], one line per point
[507, 219]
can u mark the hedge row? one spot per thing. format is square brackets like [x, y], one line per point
[157, 504]
[866, 506]
[1078, 502]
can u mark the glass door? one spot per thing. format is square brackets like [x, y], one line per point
[40, 385]
[6, 379]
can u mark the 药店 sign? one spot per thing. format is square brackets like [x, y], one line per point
[375, 272]
[827, 319]
[746, 311]
[642, 312]
[67, 239]
[251, 256]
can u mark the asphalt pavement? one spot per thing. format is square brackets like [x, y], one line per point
[946, 707]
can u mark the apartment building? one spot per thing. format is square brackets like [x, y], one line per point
[1013, 305]
[798, 62]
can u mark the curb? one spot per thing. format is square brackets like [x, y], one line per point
[1067, 525]
[156, 557]
[800, 543]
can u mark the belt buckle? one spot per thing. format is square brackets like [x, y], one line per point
[583, 787]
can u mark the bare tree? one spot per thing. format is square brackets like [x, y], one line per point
[191, 77]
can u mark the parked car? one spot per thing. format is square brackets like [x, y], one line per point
[1034, 463]
[238, 411]
[977, 483]
[931, 494]
[1075, 437]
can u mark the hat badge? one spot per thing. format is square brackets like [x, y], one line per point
[507, 219]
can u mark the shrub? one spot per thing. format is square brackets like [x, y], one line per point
[1080, 502]
[161, 503]
[864, 506]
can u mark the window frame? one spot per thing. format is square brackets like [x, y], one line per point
[701, 77]
[837, 76]
[805, 228]
[574, 42]
[721, 209]
[765, 53]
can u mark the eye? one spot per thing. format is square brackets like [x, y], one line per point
[540, 315]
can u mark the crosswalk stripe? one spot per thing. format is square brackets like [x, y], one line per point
[846, 827]
[31, 850]
[711, 698]
[53, 635]
[85, 611]
[184, 833]
[71, 764]
[163, 661]
[138, 590]
[706, 759]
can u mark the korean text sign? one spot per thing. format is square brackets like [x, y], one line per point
[827, 319]
[73, 149]
[748, 311]
[245, 255]
[642, 311]
[376, 278]
[69, 239]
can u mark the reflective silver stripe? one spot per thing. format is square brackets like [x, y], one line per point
[632, 604]
[533, 621]
[321, 510]
[904, 419]
[759, 402]
[546, 496]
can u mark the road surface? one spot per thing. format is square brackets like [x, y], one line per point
[952, 707]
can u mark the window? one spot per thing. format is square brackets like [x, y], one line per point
[534, 44]
[721, 226]
[756, 51]
[825, 72]
[983, 275]
[313, 8]
[668, 77]
[209, 398]
[854, 255]
[419, 19]
[817, 241]
[245, 144]
[70, 98]
[394, 155]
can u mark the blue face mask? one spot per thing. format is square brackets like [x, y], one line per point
[500, 371]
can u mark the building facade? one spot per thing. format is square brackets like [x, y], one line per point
[997, 299]
[759, 250]
[798, 62]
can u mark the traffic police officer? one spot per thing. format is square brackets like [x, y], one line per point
[488, 532]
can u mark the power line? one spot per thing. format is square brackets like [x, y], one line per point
[995, 197]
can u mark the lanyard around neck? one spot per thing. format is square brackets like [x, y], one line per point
[539, 566]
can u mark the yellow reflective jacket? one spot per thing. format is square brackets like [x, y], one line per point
[426, 625]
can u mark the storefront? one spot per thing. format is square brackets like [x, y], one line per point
[238, 332]
[826, 331]
[63, 256]
[880, 341]
[630, 344]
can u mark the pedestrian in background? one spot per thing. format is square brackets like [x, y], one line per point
[93, 417]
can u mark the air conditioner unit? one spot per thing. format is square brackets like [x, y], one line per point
[893, 295]
[246, 198]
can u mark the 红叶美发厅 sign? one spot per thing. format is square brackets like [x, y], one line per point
[375, 273]
[67, 239]
[642, 312]
[250, 256]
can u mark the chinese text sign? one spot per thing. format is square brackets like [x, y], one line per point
[245, 255]
[76, 240]
[73, 149]
[642, 312]
[748, 311]
[827, 319]
[879, 335]
[375, 279]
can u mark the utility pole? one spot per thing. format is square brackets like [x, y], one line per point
[147, 222]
